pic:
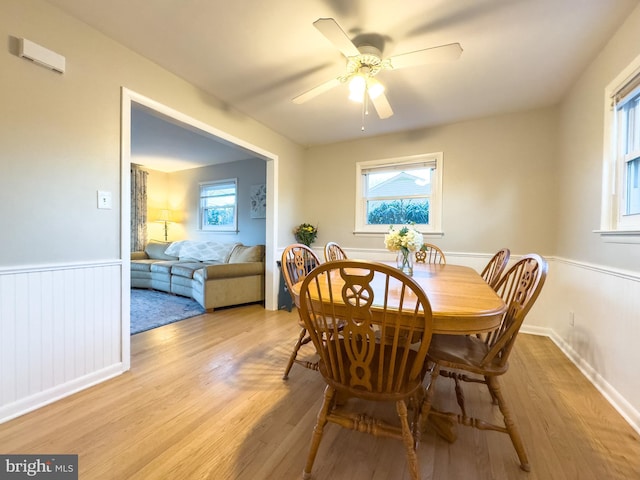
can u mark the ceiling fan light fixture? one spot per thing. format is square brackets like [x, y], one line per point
[375, 88]
[357, 88]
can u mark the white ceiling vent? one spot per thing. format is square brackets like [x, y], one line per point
[45, 57]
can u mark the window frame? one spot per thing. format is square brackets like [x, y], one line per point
[201, 207]
[615, 224]
[434, 228]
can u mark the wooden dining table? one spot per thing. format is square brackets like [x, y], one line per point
[461, 301]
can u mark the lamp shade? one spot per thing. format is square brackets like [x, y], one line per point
[165, 216]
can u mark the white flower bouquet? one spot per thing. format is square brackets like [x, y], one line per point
[404, 238]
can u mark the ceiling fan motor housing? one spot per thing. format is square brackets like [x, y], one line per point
[368, 63]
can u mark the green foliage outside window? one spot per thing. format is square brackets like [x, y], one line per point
[399, 212]
[219, 216]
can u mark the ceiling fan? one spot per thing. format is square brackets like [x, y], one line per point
[365, 61]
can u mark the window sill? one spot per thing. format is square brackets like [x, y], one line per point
[619, 236]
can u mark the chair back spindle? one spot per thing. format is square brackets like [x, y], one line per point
[519, 289]
[371, 328]
[333, 251]
[297, 261]
[429, 253]
[496, 266]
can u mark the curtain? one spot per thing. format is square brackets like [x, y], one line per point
[138, 208]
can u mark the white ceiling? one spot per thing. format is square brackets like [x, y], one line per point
[256, 55]
[167, 145]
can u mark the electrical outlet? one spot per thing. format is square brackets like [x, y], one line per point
[571, 319]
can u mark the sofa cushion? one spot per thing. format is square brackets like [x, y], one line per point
[142, 265]
[186, 269]
[163, 266]
[229, 270]
[139, 256]
[156, 250]
[204, 251]
[242, 253]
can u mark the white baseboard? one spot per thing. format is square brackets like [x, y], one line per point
[40, 399]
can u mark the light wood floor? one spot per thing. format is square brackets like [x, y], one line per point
[205, 399]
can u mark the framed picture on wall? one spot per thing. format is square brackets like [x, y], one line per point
[258, 198]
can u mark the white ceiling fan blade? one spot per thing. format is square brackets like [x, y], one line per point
[332, 31]
[315, 91]
[383, 108]
[442, 53]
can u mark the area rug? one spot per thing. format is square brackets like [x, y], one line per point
[151, 309]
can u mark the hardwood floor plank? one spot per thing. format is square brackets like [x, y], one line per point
[205, 399]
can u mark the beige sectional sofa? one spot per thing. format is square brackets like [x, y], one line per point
[212, 273]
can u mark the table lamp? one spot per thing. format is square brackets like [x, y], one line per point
[165, 217]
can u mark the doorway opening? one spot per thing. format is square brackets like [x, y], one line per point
[131, 100]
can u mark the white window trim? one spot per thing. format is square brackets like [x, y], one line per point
[614, 227]
[213, 228]
[435, 213]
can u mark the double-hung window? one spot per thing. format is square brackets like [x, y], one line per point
[218, 205]
[621, 185]
[399, 191]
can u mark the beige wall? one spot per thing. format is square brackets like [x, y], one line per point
[60, 135]
[580, 157]
[184, 196]
[499, 186]
[594, 282]
[178, 192]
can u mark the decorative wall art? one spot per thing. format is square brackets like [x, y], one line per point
[258, 198]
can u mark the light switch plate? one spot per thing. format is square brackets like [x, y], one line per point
[104, 200]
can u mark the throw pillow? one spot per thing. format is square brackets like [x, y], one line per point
[174, 249]
[157, 251]
[202, 251]
[243, 253]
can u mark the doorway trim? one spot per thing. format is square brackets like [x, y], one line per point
[271, 275]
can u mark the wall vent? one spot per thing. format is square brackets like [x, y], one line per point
[40, 55]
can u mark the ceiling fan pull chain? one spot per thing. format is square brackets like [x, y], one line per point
[364, 108]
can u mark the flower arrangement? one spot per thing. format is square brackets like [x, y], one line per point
[305, 233]
[403, 240]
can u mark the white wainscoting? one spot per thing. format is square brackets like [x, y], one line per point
[604, 341]
[60, 327]
[60, 332]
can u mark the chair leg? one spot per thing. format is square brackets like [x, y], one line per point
[459, 396]
[318, 430]
[294, 354]
[494, 400]
[428, 397]
[416, 421]
[496, 392]
[442, 423]
[408, 440]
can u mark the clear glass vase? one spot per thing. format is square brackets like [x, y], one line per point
[404, 261]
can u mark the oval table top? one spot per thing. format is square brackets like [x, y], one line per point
[461, 301]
